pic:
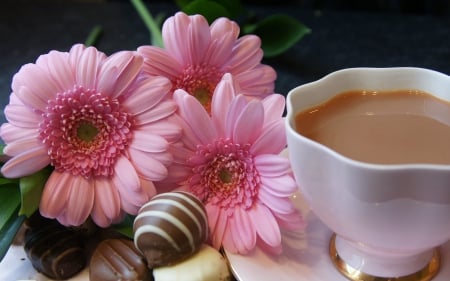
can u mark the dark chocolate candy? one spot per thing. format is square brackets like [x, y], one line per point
[170, 228]
[118, 259]
[54, 250]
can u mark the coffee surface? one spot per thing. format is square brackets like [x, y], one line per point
[387, 127]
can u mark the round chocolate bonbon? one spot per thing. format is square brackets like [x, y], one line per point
[170, 227]
[54, 250]
[118, 259]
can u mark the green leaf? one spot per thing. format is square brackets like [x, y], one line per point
[182, 3]
[31, 188]
[9, 203]
[8, 181]
[8, 232]
[278, 33]
[233, 7]
[126, 226]
[211, 10]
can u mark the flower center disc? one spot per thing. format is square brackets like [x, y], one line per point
[225, 174]
[200, 81]
[87, 132]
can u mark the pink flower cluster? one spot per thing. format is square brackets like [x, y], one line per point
[199, 115]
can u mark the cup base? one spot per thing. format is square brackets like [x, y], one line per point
[427, 273]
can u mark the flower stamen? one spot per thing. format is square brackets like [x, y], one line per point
[200, 82]
[87, 132]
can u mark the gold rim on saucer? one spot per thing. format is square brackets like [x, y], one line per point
[425, 274]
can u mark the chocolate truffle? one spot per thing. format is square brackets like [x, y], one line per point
[170, 227]
[54, 250]
[118, 259]
[206, 265]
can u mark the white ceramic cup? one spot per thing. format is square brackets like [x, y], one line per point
[388, 219]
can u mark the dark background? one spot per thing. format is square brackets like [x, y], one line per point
[345, 33]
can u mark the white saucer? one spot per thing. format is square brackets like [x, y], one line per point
[305, 256]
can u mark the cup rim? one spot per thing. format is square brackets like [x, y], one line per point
[290, 114]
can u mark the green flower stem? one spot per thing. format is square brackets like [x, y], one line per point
[149, 21]
[93, 36]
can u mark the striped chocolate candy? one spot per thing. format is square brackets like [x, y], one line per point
[170, 227]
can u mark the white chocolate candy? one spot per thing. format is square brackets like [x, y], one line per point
[206, 265]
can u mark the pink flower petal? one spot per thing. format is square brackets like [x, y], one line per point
[148, 187]
[87, 68]
[126, 175]
[228, 242]
[80, 201]
[236, 107]
[26, 163]
[163, 110]
[249, 123]
[159, 62]
[272, 139]
[57, 65]
[148, 141]
[148, 94]
[30, 98]
[224, 34]
[217, 224]
[199, 37]
[281, 205]
[274, 106]
[21, 116]
[128, 183]
[268, 231]
[221, 100]
[272, 165]
[175, 36]
[271, 250]
[128, 66]
[18, 147]
[258, 81]
[55, 194]
[10, 133]
[195, 114]
[146, 166]
[33, 77]
[105, 82]
[99, 217]
[169, 130]
[106, 207]
[280, 186]
[246, 54]
[243, 230]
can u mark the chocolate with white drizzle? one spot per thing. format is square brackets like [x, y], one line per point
[170, 228]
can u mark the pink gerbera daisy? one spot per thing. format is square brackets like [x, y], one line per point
[103, 127]
[196, 56]
[230, 160]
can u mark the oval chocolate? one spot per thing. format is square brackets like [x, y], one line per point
[118, 259]
[54, 250]
[170, 227]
